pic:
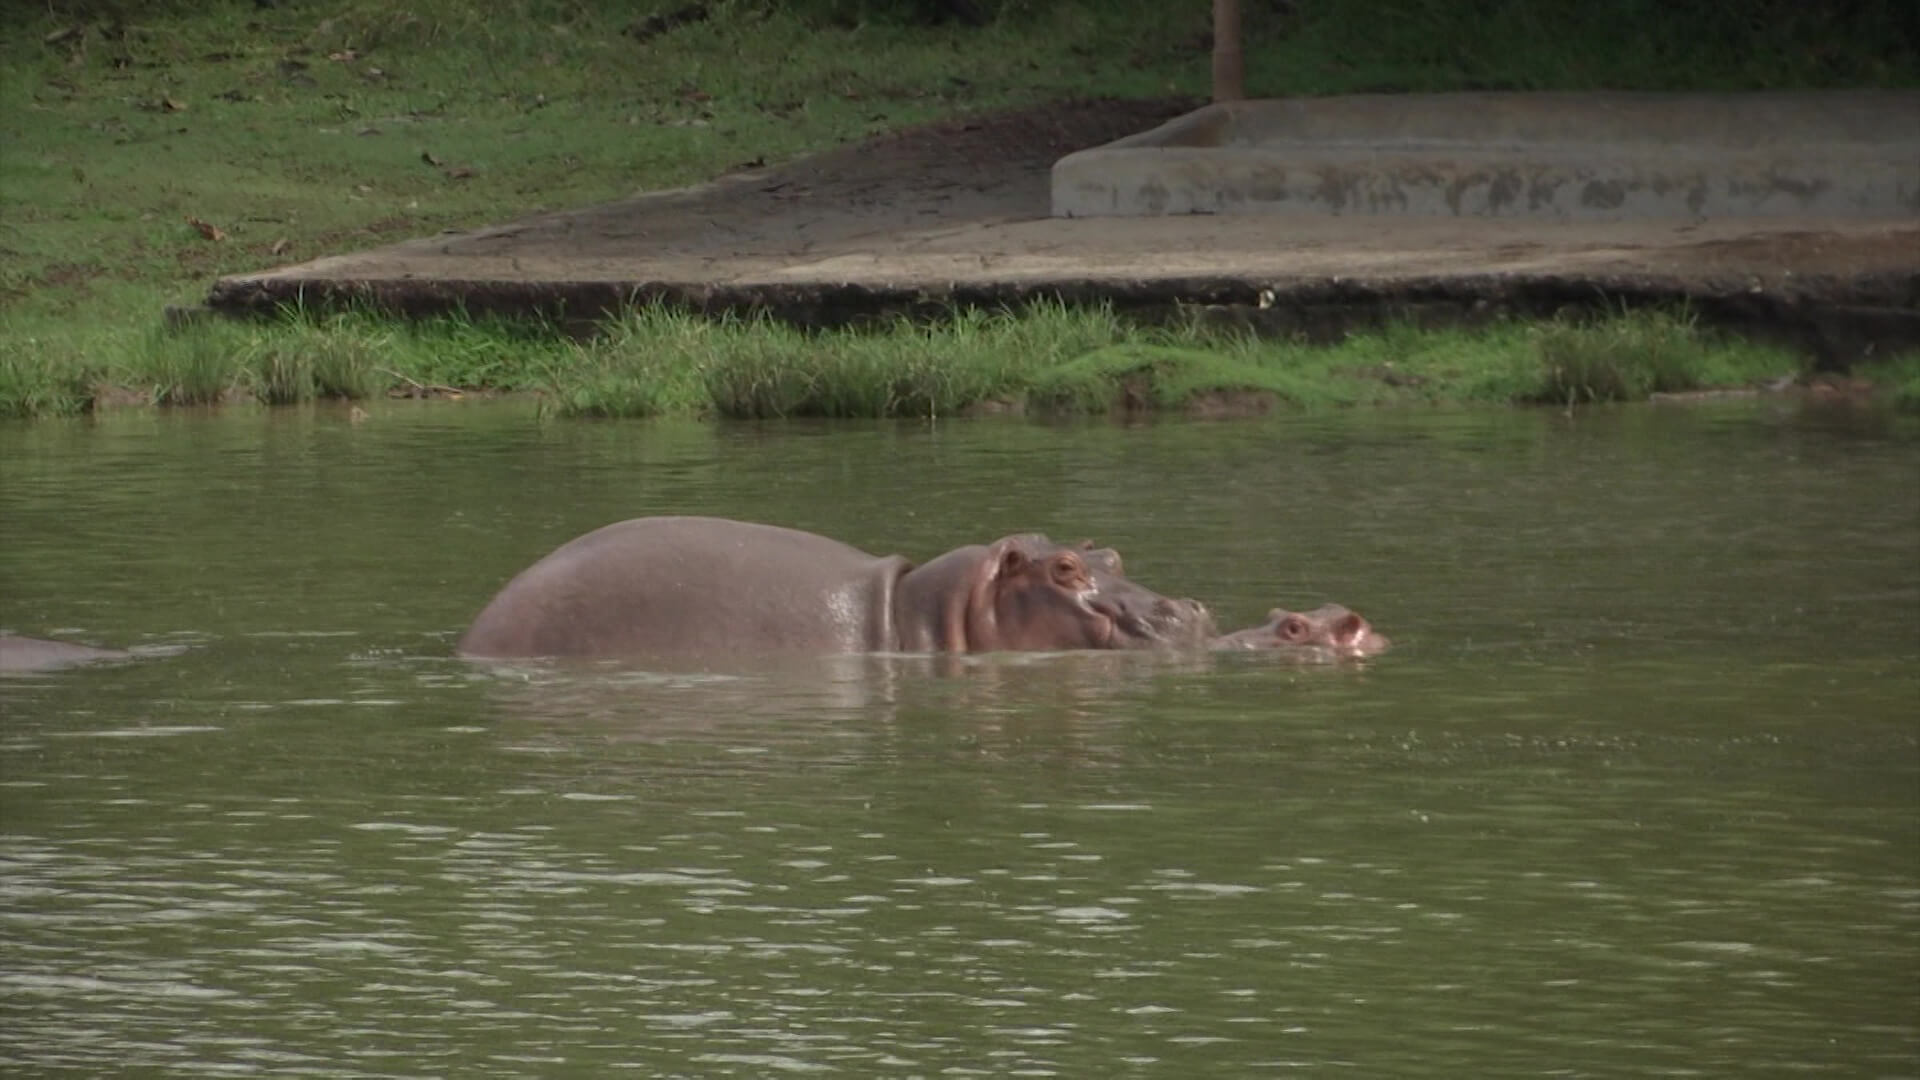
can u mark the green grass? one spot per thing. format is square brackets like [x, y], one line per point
[1901, 375]
[319, 126]
[1074, 360]
[657, 360]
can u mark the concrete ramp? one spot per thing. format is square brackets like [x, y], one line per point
[956, 215]
[1542, 156]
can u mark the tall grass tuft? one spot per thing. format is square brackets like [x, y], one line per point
[1901, 374]
[458, 349]
[647, 361]
[198, 364]
[1630, 356]
[36, 381]
[336, 359]
[903, 367]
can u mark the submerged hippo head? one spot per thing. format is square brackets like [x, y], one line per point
[1027, 593]
[1329, 632]
[25, 655]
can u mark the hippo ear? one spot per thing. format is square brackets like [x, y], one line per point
[1349, 629]
[1012, 561]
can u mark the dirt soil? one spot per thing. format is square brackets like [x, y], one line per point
[957, 213]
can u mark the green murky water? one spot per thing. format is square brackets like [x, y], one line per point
[1637, 794]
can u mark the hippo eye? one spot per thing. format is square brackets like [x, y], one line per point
[1294, 628]
[1067, 570]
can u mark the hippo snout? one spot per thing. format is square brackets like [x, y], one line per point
[1165, 621]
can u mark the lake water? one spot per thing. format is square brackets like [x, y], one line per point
[1637, 792]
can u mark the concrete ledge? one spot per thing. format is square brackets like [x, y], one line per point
[1839, 293]
[1546, 156]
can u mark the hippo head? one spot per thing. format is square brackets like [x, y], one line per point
[1027, 593]
[1329, 632]
[1035, 594]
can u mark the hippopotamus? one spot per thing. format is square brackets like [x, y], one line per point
[711, 587]
[1329, 632]
[20, 655]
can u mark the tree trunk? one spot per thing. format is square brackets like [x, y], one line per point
[1229, 74]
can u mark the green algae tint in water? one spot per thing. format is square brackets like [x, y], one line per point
[1637, 793]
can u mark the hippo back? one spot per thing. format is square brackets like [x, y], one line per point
[692, 587]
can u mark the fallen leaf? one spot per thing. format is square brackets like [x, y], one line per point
[280, 247]
[461, 173]
[168, 104]
[344, 56]
[427, 156]
[206, 229]
[59, 36]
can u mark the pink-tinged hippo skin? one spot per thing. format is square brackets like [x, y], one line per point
[25, 655]
[711, 587]
[1323, 635]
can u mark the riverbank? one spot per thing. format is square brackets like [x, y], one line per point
[147, 158]
[1046, 359]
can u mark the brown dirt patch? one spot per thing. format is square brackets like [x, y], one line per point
[982, 168]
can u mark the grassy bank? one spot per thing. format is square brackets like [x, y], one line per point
[1047, 359]
[150, 148]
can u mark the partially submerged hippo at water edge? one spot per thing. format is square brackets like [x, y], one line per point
[21, 655]
[1329, 632]
[704, 587]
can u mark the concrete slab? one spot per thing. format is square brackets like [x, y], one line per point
[958, 214]
[1550, 156]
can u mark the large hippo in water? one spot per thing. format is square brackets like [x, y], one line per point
[1329, 632]
[709, 587]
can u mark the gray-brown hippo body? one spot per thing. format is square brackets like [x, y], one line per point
[710, 587]
[25, 655]
[1327, 633]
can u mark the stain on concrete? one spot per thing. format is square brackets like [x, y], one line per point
[1267, 185]
[1603, 195]
[1804, 191]
[1332, 189]
[1503, 192]
[1628, 155]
